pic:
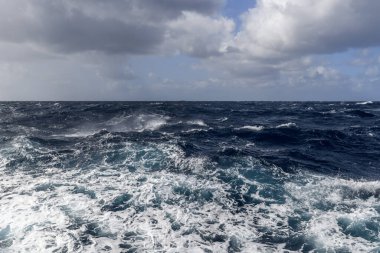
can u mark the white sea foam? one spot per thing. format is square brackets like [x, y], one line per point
[121, 119]
[197, 122]
[196, 130]
[330, 112]
[48, 214]
[80, 133]
[365, 103]
[223, 119]
[154, 124]
[3, 161]
[122, 123]
[251, 128]
[287, 125]
[176, 205]
[56, 216]
[331, 200]
[141, 122]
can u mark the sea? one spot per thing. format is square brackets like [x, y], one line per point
[190, 177]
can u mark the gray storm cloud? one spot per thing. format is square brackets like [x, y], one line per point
[273, 29]
[120, 26]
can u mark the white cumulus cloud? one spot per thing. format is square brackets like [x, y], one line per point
[288, 28]
[199, 35]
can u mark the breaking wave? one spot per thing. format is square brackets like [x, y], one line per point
[127, 177]
[251, 128]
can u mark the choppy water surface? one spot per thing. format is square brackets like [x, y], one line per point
[190, 177]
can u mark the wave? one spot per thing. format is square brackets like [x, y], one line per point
[78, 134]
[197, 122]
[360, 113]
[251, 128]
[155, 178]
[123, 123]
[223, 119]
[192, 210]
[287, 125]
[196, 130]
[140, 122]
[342, 211]
[153, 124]
[330, 112]
[364, 103]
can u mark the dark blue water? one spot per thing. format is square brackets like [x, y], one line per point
[190, 177]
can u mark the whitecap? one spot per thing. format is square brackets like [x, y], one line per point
[335, 206]
[330, 112]
[365, 103]
[196, 130]
[192, 210]
[150, 122]
[287, 125]
[197, 122]
[154, 124]
[3, 162]
[78, 134]
[251, 128]
[118, 119]
[223, 119]
[139, 123]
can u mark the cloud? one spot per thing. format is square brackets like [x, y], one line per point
[88, 46]
[289, 28]
[66, 28]
[80, 49]
[113, 27]
[288, 42]
[198, 35]
[173, 8]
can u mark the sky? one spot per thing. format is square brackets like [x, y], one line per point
[189, 50]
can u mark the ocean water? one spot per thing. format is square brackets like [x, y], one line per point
[190, 177]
